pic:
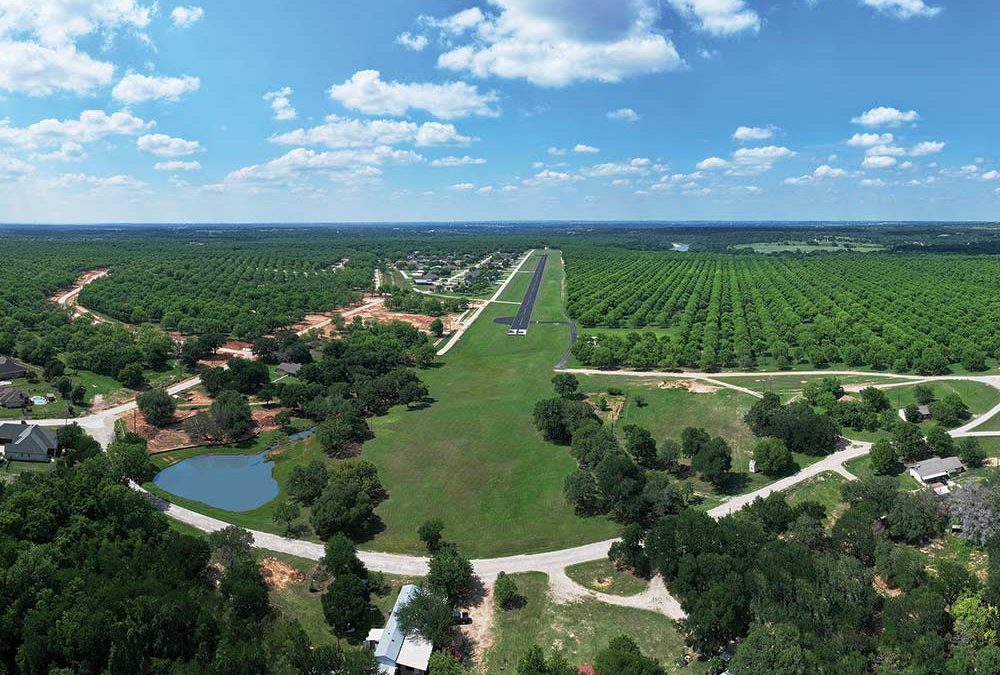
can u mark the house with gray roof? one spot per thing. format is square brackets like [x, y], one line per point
[398, 653]
[11, 369]
[27, 442]
[936, 468]
[289, 368]
[12, 397]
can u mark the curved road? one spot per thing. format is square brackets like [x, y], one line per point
[554, 563]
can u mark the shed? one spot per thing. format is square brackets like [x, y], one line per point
[924, 411]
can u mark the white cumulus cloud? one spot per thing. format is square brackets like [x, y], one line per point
[368, 92]
[719, 17]
[339, 132]
[712, 163]
[623, 115]
[927, 148]
[557, 42]
[162, 145]
[12, 168]
[281, 104]
[39, 50]
[447, 162]
[885, 117]
[412, 42]
[585, 149]
[135, 88]
[868, 140]
[92, 125]
[904, 9]
[878, 162]
[744, 134]
[186, 16]
[177, 165]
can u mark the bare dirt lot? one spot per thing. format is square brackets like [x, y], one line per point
[174, 437]
[693, 386]
[279, 575]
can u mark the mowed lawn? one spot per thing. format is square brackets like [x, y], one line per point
[473, 457]
[579, 629]
[978, 396]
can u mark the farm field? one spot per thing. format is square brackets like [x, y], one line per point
[579, 629]
[473, 457]
[904, 313]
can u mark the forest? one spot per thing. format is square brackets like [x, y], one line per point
[906, 313]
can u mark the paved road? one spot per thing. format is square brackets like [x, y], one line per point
[453, 340]
[519, 326]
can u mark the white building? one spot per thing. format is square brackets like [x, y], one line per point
[396, 652]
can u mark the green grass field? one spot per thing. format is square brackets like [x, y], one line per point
[789, 386]
[978, 396]
[473, 458]
[602, 576]
[862, 468]
[824, 489]
[579, 629]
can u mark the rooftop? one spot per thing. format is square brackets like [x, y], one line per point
[936, 467]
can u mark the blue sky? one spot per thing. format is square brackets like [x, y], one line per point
[398, 110]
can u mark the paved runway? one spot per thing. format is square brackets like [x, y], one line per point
[519, 326]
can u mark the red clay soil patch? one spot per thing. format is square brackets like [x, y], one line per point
[421, 322]
[278, 575]
[175, 438]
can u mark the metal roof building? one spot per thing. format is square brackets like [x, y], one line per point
[396, 652]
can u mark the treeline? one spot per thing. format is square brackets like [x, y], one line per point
[904, 313]
[95, 581]
[406, 300]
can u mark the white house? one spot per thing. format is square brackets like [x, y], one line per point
[396, 652]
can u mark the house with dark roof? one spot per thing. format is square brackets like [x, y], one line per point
[397, 652]
[12, 397]
[288, 368]
[27, 442]
[11, 369]
[936, 469]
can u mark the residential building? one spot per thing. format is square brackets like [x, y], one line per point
[396, 652]
[12, 397]
[11, 369]
[933, 469]
[288, 368]
[27, 442]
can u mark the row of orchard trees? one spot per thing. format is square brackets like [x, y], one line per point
[905, 313]
[241, 295]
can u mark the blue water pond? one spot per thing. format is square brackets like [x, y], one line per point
[230, 482]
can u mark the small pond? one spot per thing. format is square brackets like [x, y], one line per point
[230, 482]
